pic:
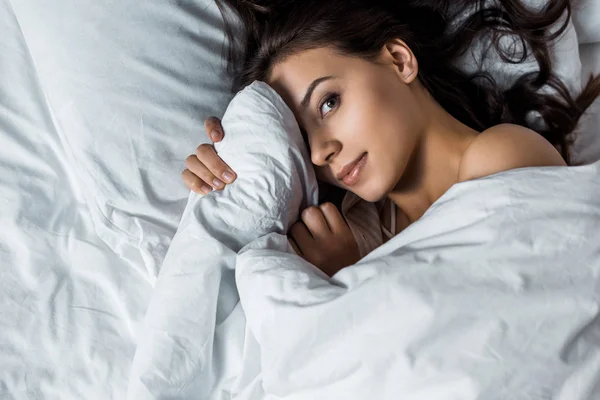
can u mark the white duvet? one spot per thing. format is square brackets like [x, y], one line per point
[493, 294]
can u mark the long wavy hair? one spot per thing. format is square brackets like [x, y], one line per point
[439, 32]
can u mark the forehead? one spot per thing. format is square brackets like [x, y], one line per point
[291, 76]
[294, 74]
[306, 62]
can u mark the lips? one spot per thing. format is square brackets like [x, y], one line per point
[351, 171]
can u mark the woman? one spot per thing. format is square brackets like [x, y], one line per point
[385, 112]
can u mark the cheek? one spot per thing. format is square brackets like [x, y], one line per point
[360, 117]
[375, 116]
[398, 118]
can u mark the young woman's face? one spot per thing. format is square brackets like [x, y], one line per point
[362, 119]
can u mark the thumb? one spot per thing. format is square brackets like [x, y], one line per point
[213, 128]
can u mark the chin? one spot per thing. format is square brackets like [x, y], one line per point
[372, 196]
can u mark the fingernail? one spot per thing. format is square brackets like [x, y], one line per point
[228, 176]
[217, 183]
[214, 135]
[206, 189]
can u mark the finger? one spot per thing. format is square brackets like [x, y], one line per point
[209, 158]
[197, 168]
[334, 218]
[212, 126]
[195, 184]
[301, 235]
[315, 222]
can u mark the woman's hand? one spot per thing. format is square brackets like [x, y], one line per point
[205, 170]
[324, 239]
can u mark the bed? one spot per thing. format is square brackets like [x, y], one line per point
[99, 106]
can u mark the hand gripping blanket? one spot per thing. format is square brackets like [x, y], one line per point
[195, 344]
[493, 294]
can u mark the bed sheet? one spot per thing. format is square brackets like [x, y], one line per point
[99, 105]
[69, 306]
[129, 86]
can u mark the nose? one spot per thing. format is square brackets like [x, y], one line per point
[322, 152]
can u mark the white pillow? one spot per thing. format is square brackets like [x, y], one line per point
[586, 17]
[587, 146]
[129, 85]
[564, 55]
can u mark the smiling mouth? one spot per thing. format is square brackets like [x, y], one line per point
[351, 171]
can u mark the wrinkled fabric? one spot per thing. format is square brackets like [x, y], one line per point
[493, 294]
[100, 103]
[195, 343]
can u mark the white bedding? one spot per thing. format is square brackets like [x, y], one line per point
[100, 103]
[587, 146]
[586, 19]
[493, 294]
[195, 343]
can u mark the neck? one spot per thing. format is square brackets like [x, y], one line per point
[435, 163]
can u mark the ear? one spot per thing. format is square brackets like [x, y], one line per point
[403, 58]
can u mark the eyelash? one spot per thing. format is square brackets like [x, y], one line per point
[328, 98]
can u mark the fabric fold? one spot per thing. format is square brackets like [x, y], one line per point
[195, 342]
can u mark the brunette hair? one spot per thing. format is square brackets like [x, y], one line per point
[438, 32]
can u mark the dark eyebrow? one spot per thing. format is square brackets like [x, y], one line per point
[306, 100]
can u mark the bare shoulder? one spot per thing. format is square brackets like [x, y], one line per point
[504, 147]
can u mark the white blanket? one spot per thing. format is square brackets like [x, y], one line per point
[493, 294]
[195, 340]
